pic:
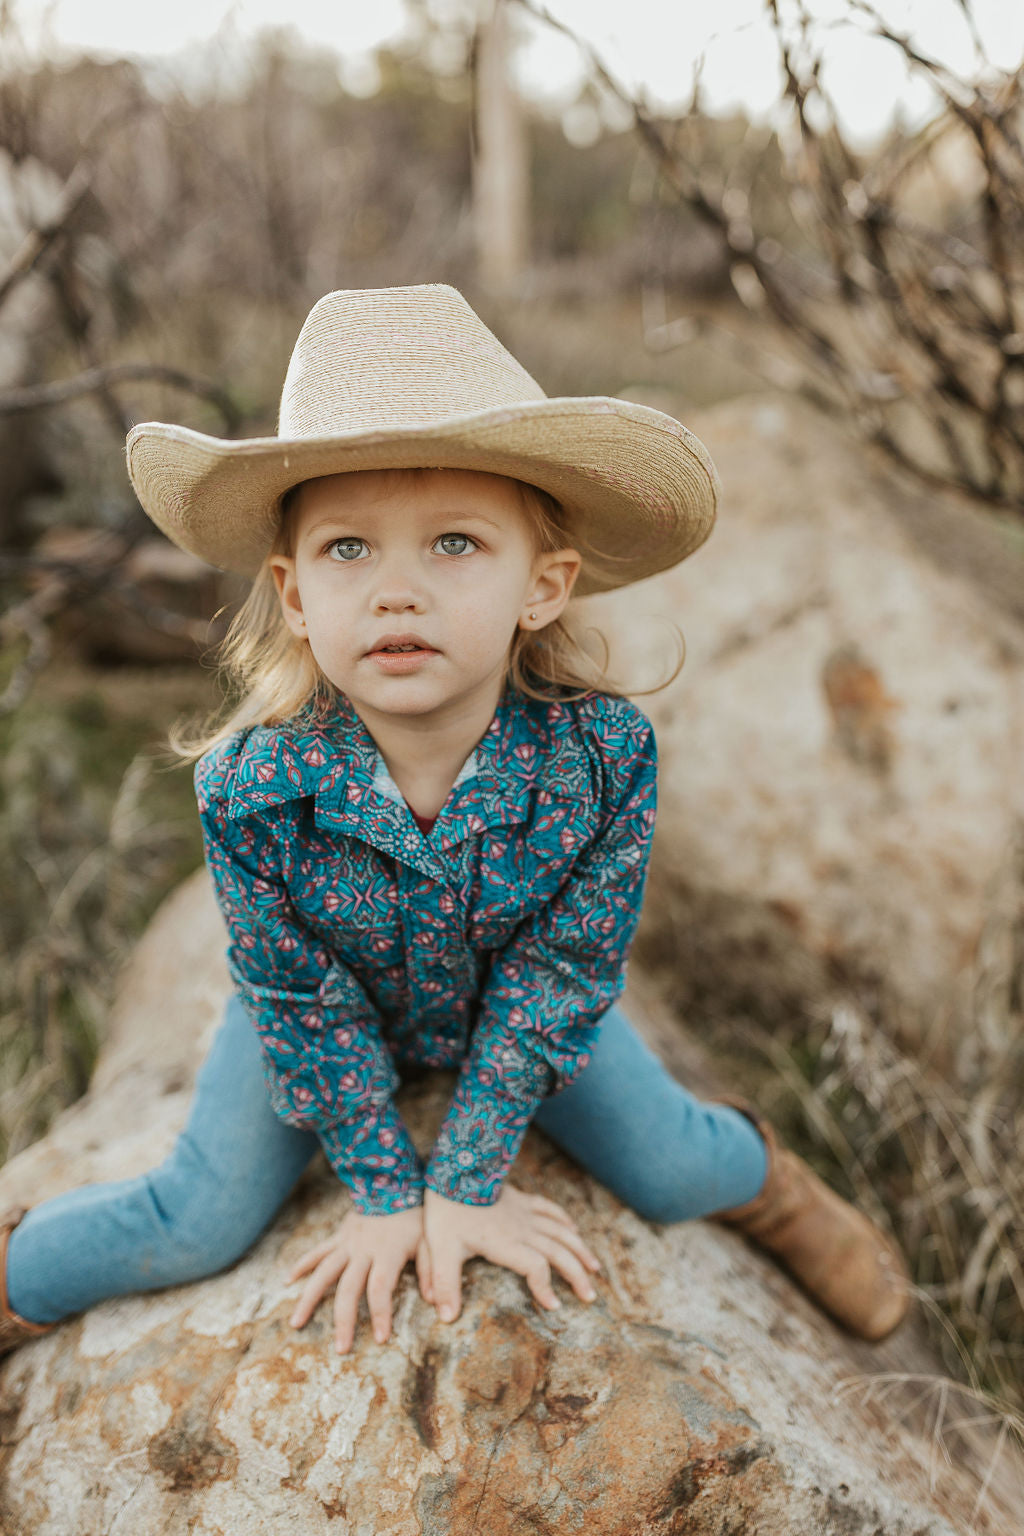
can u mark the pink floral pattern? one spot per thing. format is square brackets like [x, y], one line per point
[492, 946]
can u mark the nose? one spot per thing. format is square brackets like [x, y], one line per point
[397, 590]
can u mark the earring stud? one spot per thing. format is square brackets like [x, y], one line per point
[533, 615]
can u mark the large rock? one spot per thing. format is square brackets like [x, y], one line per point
[841, 784]
[700, 1393]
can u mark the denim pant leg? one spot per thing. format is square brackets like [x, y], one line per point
[229, 1173]
[666, 1154]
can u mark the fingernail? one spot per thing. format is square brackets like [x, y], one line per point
[294, 1320]
[553, 1304]
[589, 1293]
[379, 1335]
[447, 1314]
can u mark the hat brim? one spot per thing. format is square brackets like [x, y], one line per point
[640, 490]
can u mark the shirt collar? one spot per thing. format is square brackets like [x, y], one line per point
[333, 758]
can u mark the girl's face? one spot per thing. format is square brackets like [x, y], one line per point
[409, 589]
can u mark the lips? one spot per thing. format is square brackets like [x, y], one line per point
[398, 644]
[401, 655]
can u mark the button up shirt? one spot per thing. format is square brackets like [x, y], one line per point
[493, 945]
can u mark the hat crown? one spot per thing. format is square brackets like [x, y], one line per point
[378, 358]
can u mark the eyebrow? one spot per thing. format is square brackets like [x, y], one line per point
[352, 519]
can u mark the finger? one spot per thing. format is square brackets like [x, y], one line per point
[323, 1277]
[571, 1238]
[310, 1260]
[423, 1272]
[346, 1303]
[568, 1266]
[547, 1208]
[379, 1290]
[446, 1274]
[537, 1274]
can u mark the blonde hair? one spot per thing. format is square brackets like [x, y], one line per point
[271, 676]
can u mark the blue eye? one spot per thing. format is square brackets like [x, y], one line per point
[346, 549]
[456, 543]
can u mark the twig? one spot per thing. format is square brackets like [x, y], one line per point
[69, 585]
[29, 622]
[42, 396]
[39, 240]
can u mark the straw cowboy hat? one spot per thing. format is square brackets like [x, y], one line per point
[394, 378]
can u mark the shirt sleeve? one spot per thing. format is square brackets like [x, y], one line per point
[327, 1066]
[548, 990]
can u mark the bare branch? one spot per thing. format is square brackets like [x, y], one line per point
[40, 396]
[903, 326]
[66, 585]
[38, 241]
[28, 621]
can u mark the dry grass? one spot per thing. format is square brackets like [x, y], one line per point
[937, 1161]
[925, 1138]
[93, 831]
[955, 1415]
[941, 1164]
[962, 1216]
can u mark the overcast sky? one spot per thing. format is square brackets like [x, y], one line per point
[650, 44]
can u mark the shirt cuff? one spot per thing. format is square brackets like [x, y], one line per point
[378, 1162]
[478, 1142]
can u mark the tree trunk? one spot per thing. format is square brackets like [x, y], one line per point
[500, 172]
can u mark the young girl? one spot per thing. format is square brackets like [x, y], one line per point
[428, 832]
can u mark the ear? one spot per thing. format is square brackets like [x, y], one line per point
[283, 568]
[554, 575]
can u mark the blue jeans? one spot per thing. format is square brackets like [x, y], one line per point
[624, 1119]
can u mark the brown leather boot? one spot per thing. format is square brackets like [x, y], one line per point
[14, 1330]
[838, 1255]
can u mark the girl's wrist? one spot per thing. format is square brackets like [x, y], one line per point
[432, 1196]
[397, 1210]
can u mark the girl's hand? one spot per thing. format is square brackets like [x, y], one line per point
[524, 1233]
[366, 1253]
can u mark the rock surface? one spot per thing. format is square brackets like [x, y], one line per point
[840, 789]
[700, 1393]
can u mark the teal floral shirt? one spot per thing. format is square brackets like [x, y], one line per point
[492, 945]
